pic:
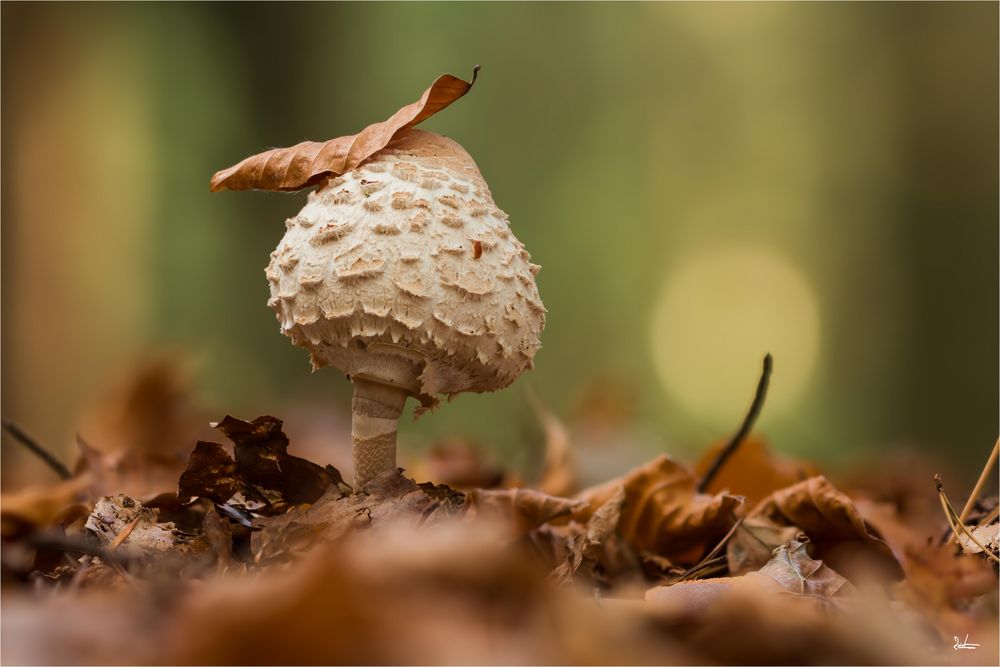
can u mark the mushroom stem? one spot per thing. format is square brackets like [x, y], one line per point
[375, 411]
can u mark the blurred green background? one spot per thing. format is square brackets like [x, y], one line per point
[702, 183]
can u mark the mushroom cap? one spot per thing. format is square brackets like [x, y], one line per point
[408, 255]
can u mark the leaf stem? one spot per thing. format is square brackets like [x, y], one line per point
[32, 446]
[744, 431]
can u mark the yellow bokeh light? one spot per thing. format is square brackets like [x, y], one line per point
[717, 315]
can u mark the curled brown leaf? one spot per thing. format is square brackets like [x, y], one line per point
[795, 572]
[754, 542]
[832, 522]
[558, 476]
[37, 507]
[525, 508]
[309, 162]
[663, 514]
[263, 470]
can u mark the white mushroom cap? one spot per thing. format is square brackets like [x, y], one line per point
[407, 255]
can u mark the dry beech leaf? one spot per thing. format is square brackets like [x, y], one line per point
[988, 536]
[38, 507]
[790, 570]
[219, 536]
[751, 547]
[264, 477]
[210, 473]
[558, 477]
[309, 162]
[663, 514]
[581, 545]
[752, 471]
[124, 524]
[795, 572]
[696, 595]
[936, 580]
[525, 508]
[390, 497]
[834, 525]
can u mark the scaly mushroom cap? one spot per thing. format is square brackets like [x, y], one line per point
[410, 252]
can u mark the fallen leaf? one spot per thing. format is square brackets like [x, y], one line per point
[938, 579]
[558, 476]
[219, 535]
[37, 507]
[752, 471]
[309, 162]
[123, 523]
[210, 473]
[754, 542]
[795, 572]
[841, 536]
[988, 536]
[388, 498]
[583, 545]
[263, 477]
[662, 513]
[525, 508]
[694, 596]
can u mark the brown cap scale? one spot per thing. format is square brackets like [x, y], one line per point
[404, 274]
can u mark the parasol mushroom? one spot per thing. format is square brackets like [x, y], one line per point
[404, 274]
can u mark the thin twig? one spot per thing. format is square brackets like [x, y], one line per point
[952, 516]
[122, 536]
[57, 542]
[32, 446]
[748, 422]
[715, 551]
[988, 519]
[982, 482]
[713, 566]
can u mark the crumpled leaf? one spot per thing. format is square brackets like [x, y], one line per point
[751, 547]
[309, 162]
[37, 507]
[123, 523]
[218, 533]
[558, 477]
[988, 536]
[525, 508]
[210, 473]
[389, 497]
[936, 580]
[263, 472]
[663, 514]
[789, 570]
[752, 471]
[581, 544]
[794, 571]
[834, 525]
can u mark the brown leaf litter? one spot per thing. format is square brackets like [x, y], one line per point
[263, 557]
